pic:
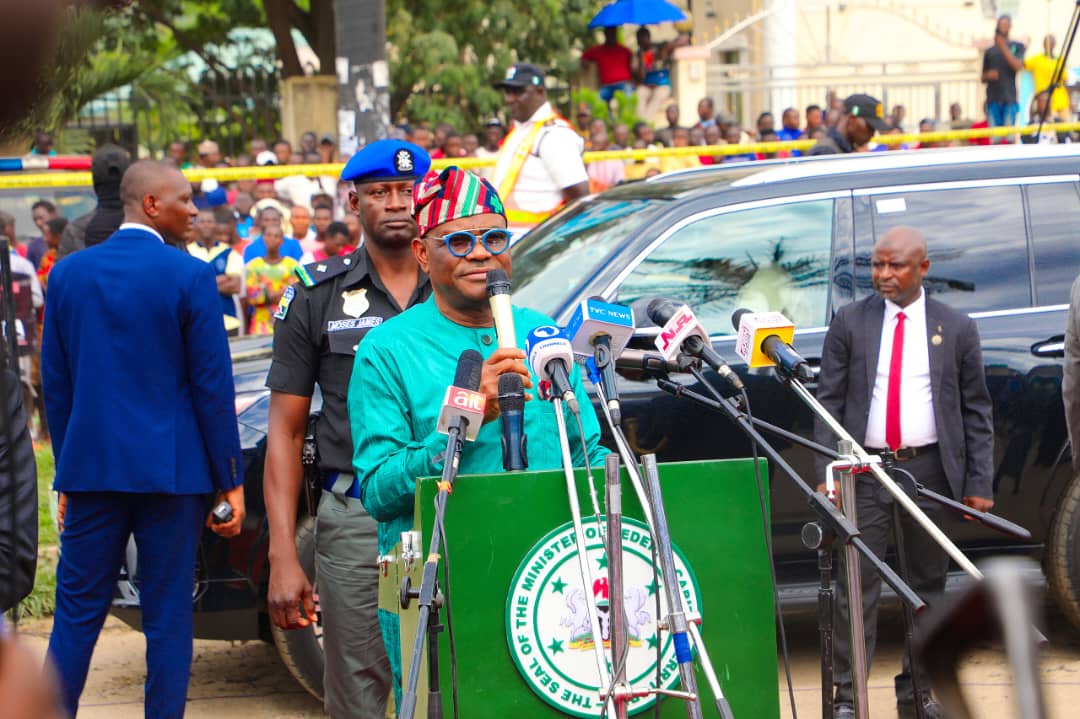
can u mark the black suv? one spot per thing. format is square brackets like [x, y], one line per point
[795, 237]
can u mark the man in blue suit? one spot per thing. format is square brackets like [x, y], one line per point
[139, 395]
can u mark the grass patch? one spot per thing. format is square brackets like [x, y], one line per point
[42, 600]
[47, 533]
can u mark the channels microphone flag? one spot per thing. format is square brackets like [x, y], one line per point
[551, 357]
[463, 405]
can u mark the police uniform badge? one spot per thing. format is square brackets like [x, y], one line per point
[355, 302]
[286, 300]
[403, 162]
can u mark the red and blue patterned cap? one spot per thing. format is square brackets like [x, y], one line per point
[452, 194]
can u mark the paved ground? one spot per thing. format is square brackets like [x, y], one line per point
[247, 680]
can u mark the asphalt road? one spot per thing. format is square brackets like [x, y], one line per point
[247, 680]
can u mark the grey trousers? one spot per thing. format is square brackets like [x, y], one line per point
[356, 680]
[927, 567]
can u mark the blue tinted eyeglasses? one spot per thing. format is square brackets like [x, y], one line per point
[463, 242]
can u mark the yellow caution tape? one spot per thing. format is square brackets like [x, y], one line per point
[61, 178]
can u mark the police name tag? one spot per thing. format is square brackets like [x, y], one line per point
[286, 300]
[357, 324]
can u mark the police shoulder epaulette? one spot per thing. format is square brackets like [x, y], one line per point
[319, 272]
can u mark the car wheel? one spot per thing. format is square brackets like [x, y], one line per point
[301, 649]
[1063, 554]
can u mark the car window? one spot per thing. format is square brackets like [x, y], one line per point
[764, 258]
[559, 255]
[70, 202]
[1054, 218]
[976, 241]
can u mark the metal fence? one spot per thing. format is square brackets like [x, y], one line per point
[746, 91]
[230, 109]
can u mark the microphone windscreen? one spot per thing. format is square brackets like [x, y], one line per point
[511, 392]
[660, 310]
[737, 315]
[470, 365]
[497, 282]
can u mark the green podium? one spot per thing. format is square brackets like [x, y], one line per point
[524, 647]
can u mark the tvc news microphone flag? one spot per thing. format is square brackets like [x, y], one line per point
[600, 331]
[594, 318]
[462, 401]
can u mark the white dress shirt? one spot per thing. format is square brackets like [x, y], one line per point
[917, 425]
[144, 228]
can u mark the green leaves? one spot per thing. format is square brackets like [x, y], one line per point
[444, 56]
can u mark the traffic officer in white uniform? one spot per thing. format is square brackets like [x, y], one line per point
[540, 167]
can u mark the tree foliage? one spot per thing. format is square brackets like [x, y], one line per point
[92, 55]
[445, 54]
[203, 28]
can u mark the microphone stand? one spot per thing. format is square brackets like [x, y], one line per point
[898, 494]
[677, 624]
[579, 537]
[428, 597]
[646, 500]
[833, 527]
[814, 540]
[988, 520]
[620, 647]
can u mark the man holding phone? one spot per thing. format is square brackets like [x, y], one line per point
[1001, 62]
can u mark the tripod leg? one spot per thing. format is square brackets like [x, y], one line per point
[825, 627]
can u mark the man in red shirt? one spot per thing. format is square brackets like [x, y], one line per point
[612, 63]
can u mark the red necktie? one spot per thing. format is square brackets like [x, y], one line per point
[892, 400]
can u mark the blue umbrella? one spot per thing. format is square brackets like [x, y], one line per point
[637, 12]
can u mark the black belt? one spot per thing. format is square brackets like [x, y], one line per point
[903, 454]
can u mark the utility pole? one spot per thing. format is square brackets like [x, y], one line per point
[362, 72]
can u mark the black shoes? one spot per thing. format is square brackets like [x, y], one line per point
[931, 710]
[904, 710]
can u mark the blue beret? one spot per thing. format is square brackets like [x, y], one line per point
[387, 160]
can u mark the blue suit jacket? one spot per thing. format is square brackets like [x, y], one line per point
[136, 371]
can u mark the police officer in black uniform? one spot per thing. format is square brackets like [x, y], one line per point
[320, 322]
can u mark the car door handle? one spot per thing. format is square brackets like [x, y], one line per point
[1052, 347]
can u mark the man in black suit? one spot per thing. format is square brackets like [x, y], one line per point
[905, 373]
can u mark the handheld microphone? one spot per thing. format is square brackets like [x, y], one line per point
[601, 330]
[764, 341]
[498, 289]
[551, 357]
[681, 332]
[512, 409]
[463, 406]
